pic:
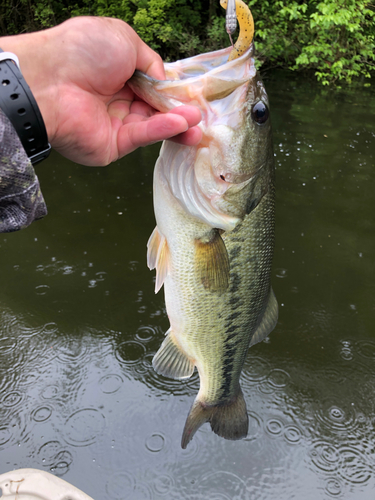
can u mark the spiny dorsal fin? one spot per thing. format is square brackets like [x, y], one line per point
[170, 361]
[158, 257]
[213, 263]
[269, 320]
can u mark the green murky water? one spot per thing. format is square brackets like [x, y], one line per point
[80, 323]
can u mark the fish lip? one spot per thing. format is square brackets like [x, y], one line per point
[213, 68]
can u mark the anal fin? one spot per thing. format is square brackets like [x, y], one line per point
[158, 257]
[170, 361]
[269, 320]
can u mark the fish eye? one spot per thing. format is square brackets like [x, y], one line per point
[260, 112]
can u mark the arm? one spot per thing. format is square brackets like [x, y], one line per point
[78, 71]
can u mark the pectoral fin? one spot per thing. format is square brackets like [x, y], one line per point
[268, 322]
[170, 361]
[158, 257]
[212, 263]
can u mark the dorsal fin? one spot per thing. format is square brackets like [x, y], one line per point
[269, 320]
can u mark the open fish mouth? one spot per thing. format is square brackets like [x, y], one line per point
[198, 80]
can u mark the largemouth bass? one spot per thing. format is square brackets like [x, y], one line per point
[213, 244]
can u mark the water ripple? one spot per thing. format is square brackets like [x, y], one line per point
[41, 414]
[146, 333]
[333, 487]
[163, 484]
[7, 345]
[130, 352]
[54, 456]
[222, 484]
[71, 349]
[292, 434]
[120, 485]
[12, 399]
[366, 349]
[110, 383]
[274, 427]
[337, 418]
[83, 427]
[155, 442]
[279, 378]
[50, 392]
[5, 436]
[256, 369]
[255, 426]
[354, 467]
[325, 456]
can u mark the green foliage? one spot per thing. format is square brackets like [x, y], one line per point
[335, 38]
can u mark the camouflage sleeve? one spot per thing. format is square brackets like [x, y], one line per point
[21, 201]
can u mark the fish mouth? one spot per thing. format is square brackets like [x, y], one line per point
[199, 80]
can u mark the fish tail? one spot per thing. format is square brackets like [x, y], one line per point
[229, 421]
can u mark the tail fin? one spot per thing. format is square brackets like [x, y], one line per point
[229, 421]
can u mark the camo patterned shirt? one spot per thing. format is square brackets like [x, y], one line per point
[21, 201]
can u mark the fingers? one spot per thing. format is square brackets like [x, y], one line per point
[191, 137]
[159, 127]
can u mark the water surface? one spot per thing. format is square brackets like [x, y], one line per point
[79, 324]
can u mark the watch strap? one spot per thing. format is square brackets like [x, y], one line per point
[20, 106]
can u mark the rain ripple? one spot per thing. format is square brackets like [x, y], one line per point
[110, 384]
[41, 414]
[325, 456]
[366, 349]
[255, 427]
[336, 418]
[123, 486]
[71, 349]
[354, 467]
[163, 484]
[333, 487]
[256, 370]
[291, 433]
[155, 442]
[84, 426]
[146, 333]
[130, 352]
[222, 485]
[54, 456]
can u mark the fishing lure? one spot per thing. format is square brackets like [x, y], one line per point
[246, 22]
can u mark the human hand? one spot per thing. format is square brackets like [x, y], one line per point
[77, 72]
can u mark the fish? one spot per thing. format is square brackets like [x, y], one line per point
[213, 243]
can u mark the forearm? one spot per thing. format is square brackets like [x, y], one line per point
[34, 53]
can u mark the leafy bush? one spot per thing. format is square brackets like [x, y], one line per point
[335, 38]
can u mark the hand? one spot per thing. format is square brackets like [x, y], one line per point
[77, 73]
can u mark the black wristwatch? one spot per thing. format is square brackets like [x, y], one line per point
[19, 105]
